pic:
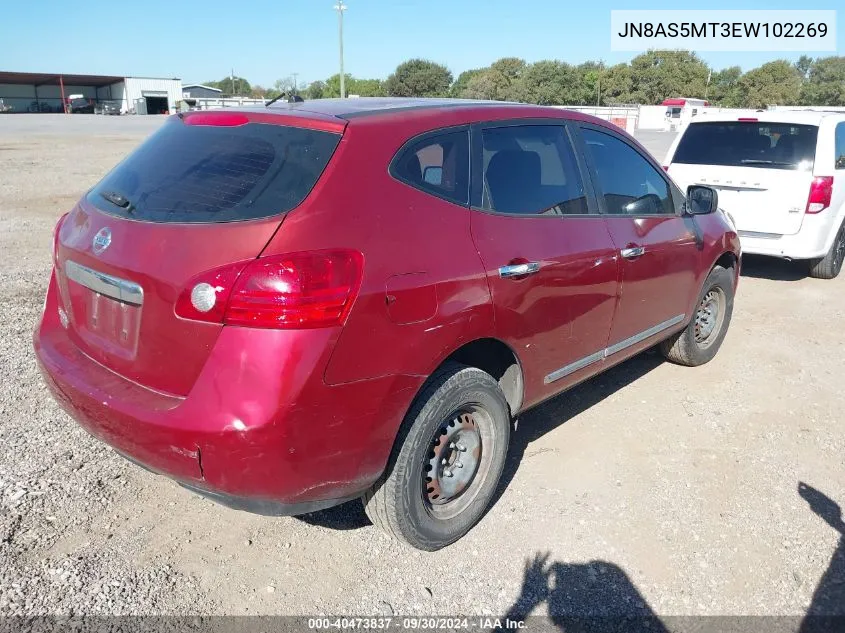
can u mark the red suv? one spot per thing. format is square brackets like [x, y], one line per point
[284, 309]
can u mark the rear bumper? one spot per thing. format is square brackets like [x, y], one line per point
[259, 431]
[812, 241]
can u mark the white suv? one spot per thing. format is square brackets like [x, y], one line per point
[780, 176]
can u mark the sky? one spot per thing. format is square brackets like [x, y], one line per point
[264, 40]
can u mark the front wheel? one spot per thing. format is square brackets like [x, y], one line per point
[447, 460]
[698, 343]
[831, 264]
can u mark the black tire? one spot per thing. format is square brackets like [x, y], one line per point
[829, 266]
[697, 344]
[400, 502]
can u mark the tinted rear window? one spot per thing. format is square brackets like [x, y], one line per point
[201, 174]
[749, 144]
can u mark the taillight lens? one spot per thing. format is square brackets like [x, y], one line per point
[665, 167]
[56, 229]
[821, 191]
[292, 291]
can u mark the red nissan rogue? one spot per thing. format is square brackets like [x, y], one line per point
[287, 308]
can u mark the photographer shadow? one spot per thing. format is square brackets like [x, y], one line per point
[593, 597]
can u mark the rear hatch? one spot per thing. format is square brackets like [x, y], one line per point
[762, 170]
[208, 189]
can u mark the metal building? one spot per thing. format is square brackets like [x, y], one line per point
[46, 92]
[195, 91]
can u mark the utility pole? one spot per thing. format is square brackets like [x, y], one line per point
[598, 84]
[340, 8]
[295, 75]
[233, 82]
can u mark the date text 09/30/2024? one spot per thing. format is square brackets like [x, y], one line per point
[416, 623]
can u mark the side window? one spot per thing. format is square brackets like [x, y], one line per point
[629, 183]
[438, 165]
[531, 170]
[839, 157]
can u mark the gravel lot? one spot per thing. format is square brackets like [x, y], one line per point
[650, 489]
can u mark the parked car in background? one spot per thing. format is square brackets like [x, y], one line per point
[780, 175]
[4, 107]
[107, 107]
[376, 289]
[81, 106]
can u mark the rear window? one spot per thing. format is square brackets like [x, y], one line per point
[202, 174]
[749, 144]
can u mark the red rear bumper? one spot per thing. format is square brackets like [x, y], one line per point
[259, 425]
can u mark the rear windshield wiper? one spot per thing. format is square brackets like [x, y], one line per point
[754, 161]
[118, 200]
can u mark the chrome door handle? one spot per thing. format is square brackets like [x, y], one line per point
[519, 270]
[632, 252]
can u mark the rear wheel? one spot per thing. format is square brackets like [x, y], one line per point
[447, 460]
[831, 264]
[698, 343]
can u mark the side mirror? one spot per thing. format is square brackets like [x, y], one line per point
[649, 204]
[701, 200]
[433, 175]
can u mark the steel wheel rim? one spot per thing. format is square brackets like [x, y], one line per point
[709, 317]
[457, 461]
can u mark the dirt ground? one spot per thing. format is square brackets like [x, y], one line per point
[652, 489]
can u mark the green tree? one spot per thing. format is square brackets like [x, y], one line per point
[500, 81]
[825, 85]
[589, 83]
[724, 88]
[332, 85]
[419, 78]
[232, 86]
[548, 82]
[617, 85]
[459, 87]
[657, 75]
[315, 90]
[482, 85]
[804, 65]
[367, 88]
[774, 82]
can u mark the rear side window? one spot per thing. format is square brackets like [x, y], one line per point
[629, 183]
[203, 174]
[748, 144]
[437, 164]
[839, 158]
[531, 170]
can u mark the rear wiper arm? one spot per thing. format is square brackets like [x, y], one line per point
[755, 161]
[118, 200]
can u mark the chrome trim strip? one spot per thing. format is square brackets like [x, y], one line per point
[637, 338]
[573, 367]
[613, 349]
[101, 283]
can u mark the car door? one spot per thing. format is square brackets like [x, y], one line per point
[659, 247]
[549, 259]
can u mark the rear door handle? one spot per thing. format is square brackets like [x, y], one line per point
[519, 270]
[632, 252]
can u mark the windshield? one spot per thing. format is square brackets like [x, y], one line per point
[749, 144]
[201, 173]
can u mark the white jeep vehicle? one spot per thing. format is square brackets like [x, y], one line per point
[780, 176]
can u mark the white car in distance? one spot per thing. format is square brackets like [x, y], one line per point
[780, 175]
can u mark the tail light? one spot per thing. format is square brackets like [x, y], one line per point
[821, 191]
[665, 167]
[56, 230]
[292, 291]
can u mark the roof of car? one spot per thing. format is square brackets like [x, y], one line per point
[369, 106]
[806, 117]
